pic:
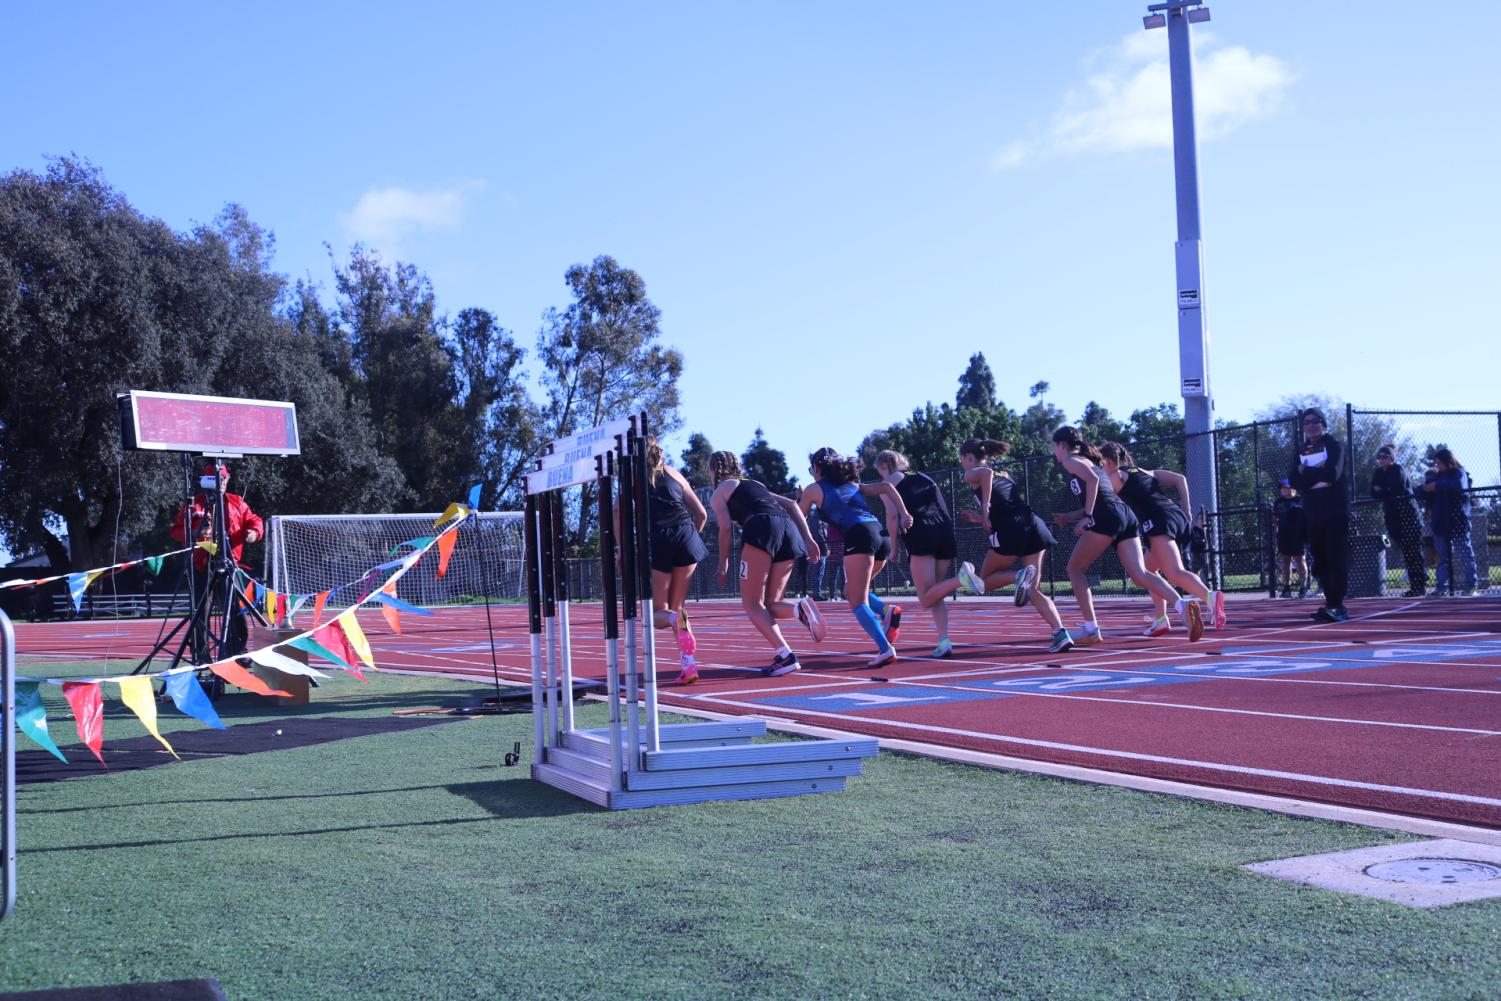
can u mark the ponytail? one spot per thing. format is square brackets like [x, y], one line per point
[1116, 453]
[837, 469]
[984, 448]
[1073, 440]
[723, 466]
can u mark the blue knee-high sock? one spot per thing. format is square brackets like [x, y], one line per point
[872, 626]
[876, 604]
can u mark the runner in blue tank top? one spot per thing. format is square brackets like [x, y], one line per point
[1102, 521]
[840, 497]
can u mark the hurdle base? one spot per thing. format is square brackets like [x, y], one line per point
[700, 763]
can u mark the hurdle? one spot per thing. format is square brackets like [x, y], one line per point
[635, 760]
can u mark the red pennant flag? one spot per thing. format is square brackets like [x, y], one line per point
[318, 602]
[332, 636]
[88, 710]
[388, 612]
[445, 549]
[237, 675]
[279, 617]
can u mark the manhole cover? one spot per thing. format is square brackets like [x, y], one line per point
[1434, 870]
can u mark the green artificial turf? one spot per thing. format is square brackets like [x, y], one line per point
[413, 865]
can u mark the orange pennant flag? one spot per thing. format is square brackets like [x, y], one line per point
[319, 601]
[445, 549]
[389, 612]
[233, 673]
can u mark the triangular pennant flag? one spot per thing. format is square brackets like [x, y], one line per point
[154, 564]
[389, 610]
[474, 495]
[449, 512]
[391, 564]
[137, 694]
[238, 676]
[191, 700]
[332, 637]
[445, 549]
[251, 592]
[314, 647]
[421, 542]
[319, 600]
[88, 711]
[271, 605]
[298, 600]
[210, 547]
[31, 718]
[387, 596]
[356, 636]
[77, 584]
[268, 657]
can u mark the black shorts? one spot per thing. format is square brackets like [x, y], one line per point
[1291, 541]
[676, 546]
[775, 534]
[935, 540]
[1116, 521]
[1021, 535]
[867, 539]
[1173, 524]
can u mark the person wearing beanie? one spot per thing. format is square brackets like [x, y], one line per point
[1390, 485]
[1319, 474]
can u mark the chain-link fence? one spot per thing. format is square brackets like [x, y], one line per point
[1240, 550]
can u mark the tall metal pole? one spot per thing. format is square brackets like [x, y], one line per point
[1193, 327]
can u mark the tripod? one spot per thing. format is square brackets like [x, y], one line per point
[215, 625]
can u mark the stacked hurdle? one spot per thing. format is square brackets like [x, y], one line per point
[635, 762]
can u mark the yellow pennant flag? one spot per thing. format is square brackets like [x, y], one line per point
[356, 637]
[95, 575]
[456, 508]
[137, 694]
[271, 605]
[210, 547]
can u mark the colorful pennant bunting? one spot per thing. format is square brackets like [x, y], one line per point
[191, 700]
[445, 549]
[238, 676]
[139, 697]
[88, 712]
[268, 657]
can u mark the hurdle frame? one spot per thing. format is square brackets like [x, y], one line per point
[634, 762]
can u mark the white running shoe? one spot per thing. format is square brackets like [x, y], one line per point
[809, 615]
[970, 579]
[1158, 627]
[883, 658]
[1025, 578]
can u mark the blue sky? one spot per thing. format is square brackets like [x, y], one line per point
[835, 204]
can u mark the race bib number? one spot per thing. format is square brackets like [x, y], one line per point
[1146, 527]
[1076, 488]
[995, 541]
[744, 570]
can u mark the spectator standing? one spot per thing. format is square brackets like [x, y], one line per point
[1449, 488]
[241, 525]
[1292, 538]
[1319, 475]
[1390, 485]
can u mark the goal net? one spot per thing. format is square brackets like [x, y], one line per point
[308, 554]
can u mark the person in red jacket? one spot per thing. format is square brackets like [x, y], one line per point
[241, 525]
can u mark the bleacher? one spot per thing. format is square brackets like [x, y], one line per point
[119, 606]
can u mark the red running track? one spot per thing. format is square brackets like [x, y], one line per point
[1397, 710]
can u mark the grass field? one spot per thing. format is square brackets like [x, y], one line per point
[414, 866]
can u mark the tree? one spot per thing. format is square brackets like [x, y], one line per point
[695, 468]
[1098, 426]
[761, 462]
[1041, 419]
[976, 385]
[601, 360]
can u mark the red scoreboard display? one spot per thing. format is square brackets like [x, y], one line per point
[208, 425]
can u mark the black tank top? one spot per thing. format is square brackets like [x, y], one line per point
[751, 498]
[1005, 499]
[920, 494]
[1107, 493]
[667, 508]
[1143, 495]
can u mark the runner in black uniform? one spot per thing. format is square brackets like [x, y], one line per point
[1018, 539]
[840, 497]
[929, 542]
[677, 548]
[1165, 531]
[773, 534]
[1103, 521]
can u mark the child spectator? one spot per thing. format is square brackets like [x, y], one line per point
[1449, 488]
[1292, 539]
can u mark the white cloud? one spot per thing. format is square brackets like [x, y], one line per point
[1127, 104]
[384, 217]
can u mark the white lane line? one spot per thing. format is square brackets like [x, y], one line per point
[1326, 780]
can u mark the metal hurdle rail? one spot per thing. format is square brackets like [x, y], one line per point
[631, 762]
[8, 767]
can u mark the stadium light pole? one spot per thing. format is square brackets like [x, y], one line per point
[1193, 329]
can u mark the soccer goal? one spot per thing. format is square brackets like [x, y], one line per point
[308, 554]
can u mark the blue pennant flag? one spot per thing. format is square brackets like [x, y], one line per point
[77, 584]
[398, 604]
[191, 700]
[474, 495]
[417, 543]
[31, 718]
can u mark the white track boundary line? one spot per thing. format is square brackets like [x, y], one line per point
[1325, 780]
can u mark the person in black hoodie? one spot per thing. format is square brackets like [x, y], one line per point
[1389, 485]
[1319, 475]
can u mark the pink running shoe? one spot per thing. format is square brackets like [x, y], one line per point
[689, 673]
[1217, 610]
